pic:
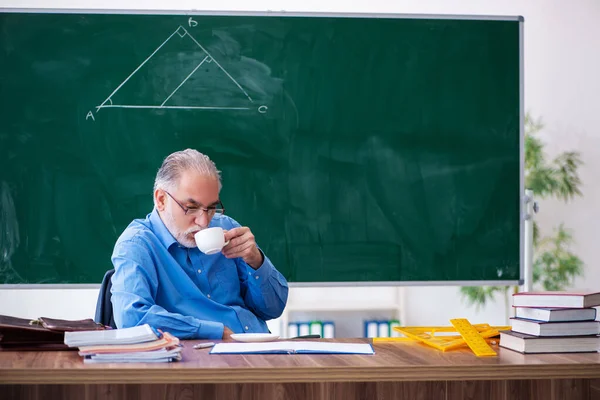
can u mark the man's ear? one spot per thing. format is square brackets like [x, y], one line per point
[160, 198]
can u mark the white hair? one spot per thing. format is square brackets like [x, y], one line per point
[175, 164]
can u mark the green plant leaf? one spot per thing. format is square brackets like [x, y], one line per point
[480, 295]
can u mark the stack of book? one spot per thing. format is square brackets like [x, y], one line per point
[553, 322]
[136, 344]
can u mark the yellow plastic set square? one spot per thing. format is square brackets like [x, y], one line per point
[440, 337]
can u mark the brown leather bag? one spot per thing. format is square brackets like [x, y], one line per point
[40, 334]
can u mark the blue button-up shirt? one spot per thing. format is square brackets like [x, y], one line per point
[185, 292]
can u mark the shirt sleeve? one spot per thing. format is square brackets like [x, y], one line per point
[133, 292]
[265, 290]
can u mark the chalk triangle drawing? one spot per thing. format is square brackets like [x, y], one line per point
[180, 74]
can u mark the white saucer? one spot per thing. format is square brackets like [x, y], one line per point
[254, 337]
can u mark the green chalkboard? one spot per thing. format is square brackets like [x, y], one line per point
[357, 149]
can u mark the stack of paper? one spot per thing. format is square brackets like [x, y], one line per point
[137, 344]
[162, 355]
[136, 334]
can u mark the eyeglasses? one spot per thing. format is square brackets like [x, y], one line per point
[211, 211]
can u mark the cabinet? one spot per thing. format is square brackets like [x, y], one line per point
[350, 304]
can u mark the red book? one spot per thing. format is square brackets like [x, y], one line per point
[566, 299]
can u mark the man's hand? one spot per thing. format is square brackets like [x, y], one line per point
[242, 244]
[227, 333]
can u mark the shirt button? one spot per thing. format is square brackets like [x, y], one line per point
[246, 328]
[208, 295]
[256, 277]
[199, 271]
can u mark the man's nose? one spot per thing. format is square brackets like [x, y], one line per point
[202, 220]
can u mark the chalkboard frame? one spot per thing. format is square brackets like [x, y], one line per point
[524, 244]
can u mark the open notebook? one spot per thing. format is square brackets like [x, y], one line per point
[292, 347]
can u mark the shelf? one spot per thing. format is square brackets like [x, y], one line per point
[343, 298]
[346, 307]
[334, 300]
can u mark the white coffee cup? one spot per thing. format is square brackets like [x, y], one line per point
[210, 240]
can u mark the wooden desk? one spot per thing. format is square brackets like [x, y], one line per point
[397, 371]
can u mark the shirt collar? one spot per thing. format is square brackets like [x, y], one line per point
[161, 231]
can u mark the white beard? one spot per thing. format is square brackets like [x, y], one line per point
[180, 236]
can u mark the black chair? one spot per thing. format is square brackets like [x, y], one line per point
[104, 310]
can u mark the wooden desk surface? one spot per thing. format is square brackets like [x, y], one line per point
[402, 361]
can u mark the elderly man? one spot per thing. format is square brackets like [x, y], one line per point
[162, 279]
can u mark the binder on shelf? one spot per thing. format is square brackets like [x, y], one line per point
[328, 329]
[293, 330]
[303, 328]
[393, 324]
[383, 329]
[316, 328]
[371, 329]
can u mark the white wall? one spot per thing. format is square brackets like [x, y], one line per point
[562, 60]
